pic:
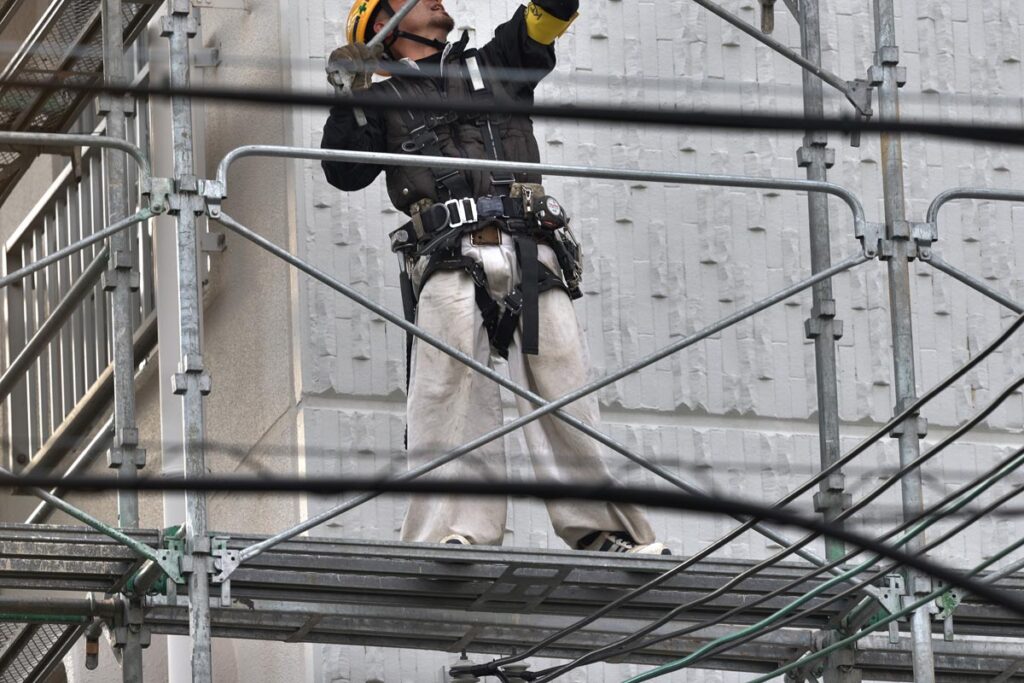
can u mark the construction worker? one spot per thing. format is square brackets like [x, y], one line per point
[489, 264]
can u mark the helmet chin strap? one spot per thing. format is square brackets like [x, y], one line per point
[430, 42]
[389, 41]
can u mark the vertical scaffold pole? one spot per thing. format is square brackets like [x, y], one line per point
[123, 277]
[886, 77]
[191, 381]
[823, 327]
[122, 280]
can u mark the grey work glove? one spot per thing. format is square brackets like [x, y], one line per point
[355, 63]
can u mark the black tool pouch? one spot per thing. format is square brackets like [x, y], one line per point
[570, 260]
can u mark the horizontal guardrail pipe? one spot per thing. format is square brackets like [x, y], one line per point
[62, 141]
[51, 326]
[667, 177]
[971, 193]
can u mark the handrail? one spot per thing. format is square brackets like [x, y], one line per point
[61, 140]
[603, 173]
[51, 326]
[970, 193]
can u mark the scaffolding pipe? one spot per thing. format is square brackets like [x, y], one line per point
[30, 352]
[667, 177]
[121, 257]
[545, 407]
[39, 264]
[822, 327]
[138, 547]
[59, 142]
[90, 606]
[124, 455]
[970, 193]
[937, 262]
[810, 66]
[191, 380]
[900, 309]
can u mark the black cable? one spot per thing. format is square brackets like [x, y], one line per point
[542, 490]
[846, 592]
[785, 552]
[617, 649]
[785, 500]
[729, 120]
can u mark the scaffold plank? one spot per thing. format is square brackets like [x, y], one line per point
[489, 600]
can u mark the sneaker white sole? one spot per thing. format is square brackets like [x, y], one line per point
[650, 549]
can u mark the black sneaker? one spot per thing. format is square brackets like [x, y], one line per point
[620, 542]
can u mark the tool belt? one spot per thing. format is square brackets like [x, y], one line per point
[528, 218]
[435, 226]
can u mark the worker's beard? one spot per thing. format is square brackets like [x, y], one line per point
[443, 21]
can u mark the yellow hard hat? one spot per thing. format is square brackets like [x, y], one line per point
[361, 17]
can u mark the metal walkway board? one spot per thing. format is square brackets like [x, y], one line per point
[490, 600]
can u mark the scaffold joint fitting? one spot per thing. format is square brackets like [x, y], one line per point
[815, 153]
[168, 27]
[860, 97]
[158, 191]
[871, 236]
[921, 426]
[220, 552]
[889, 55]
[179, 383]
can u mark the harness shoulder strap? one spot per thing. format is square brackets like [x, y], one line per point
[423, 140]
[480, 89]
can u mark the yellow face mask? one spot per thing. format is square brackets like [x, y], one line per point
[545, 27]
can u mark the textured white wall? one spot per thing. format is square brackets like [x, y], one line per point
[736, 412]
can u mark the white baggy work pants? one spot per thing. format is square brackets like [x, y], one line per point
[450, 404]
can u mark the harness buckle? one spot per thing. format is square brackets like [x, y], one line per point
[514, 302]
[476, 271]
[464, 208]
[418, 139]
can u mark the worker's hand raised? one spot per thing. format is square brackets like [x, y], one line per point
[354, 64]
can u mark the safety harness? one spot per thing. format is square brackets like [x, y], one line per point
[435, 230]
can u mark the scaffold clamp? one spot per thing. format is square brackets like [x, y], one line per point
[222, 555]
[946, 605]
[871, 236]
[158, 191]
[226, 562]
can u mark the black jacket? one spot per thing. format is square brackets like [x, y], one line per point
[510, 51]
